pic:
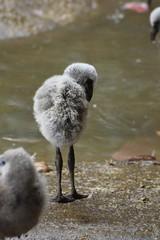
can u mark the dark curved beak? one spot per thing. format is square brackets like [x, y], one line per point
[89, 89]
[149, 3]
[153, 34]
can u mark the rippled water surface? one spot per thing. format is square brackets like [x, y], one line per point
[125, 106]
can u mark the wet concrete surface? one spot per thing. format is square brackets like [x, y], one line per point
[123, 203]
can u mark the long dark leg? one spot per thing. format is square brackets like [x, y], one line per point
[59, 164]
[71, 165]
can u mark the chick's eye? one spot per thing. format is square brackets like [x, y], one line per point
[2, 162]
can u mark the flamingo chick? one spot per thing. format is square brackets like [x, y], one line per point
[22, 195]
[60, 108]
[155, 22]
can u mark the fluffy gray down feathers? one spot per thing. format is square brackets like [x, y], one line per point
[22, 194]
[61, 107]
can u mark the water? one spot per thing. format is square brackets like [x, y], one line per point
[125, 106]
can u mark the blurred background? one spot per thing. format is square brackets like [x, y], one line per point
[41, 38]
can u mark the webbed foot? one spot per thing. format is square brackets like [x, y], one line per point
[76, 196]
[61, 199]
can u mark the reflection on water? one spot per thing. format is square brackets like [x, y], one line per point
[126, 99]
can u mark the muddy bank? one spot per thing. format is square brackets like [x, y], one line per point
[123, 203]
[23, 18]
[139, 146]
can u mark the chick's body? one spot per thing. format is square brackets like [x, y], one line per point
[61, 110]
[22, 194]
